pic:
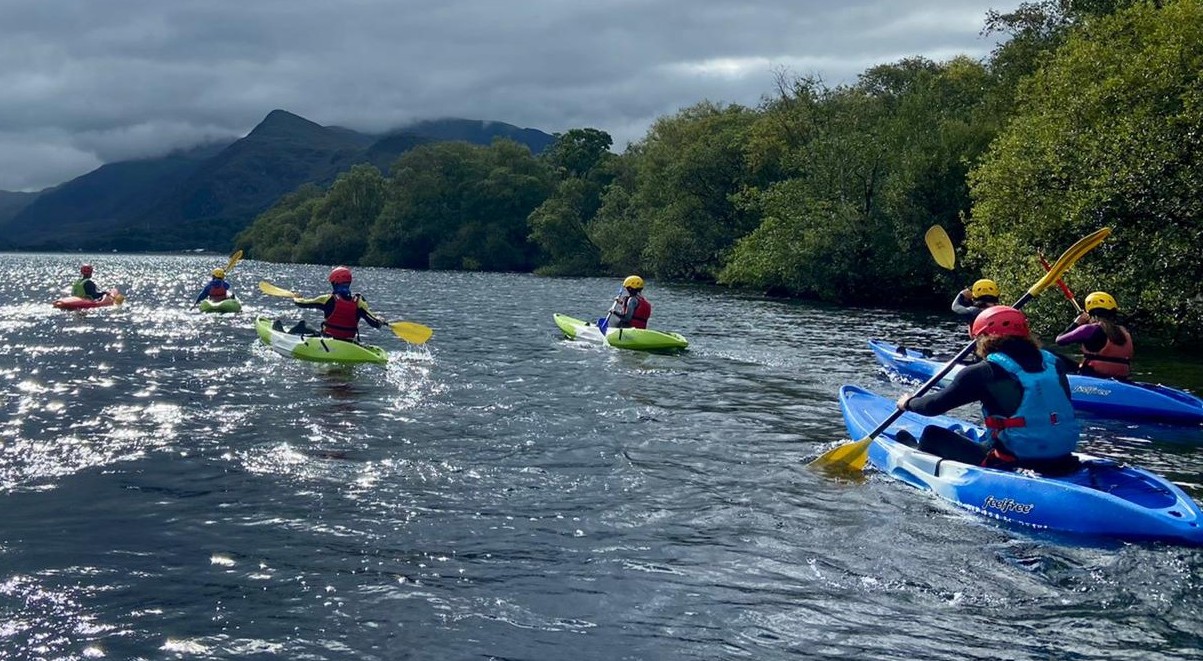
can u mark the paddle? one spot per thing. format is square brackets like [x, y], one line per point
[411, 332]
[940, 247]
[852, 456]
[1061, 283]
[234, 259]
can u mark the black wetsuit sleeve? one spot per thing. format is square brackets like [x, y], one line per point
[91, 290]
[968, 386]
[964, 308]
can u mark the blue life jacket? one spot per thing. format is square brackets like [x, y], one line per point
[1044, 425]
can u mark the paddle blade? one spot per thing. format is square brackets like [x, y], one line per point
[118, 298]
[1067, 259]
[602, 324]
[272, 290]
[411, 332]
[940, 246]
[234, 259]
[846, 457]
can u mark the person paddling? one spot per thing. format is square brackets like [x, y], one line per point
[217, 290]
[970, 302]
[84, 287]
[1106, 345]
[1024, 396]
[342, 309]
[630, 308]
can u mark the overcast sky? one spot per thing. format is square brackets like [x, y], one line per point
[87, 82]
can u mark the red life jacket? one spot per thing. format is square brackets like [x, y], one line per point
[218, 290]
[1112, 360]
[643, 312]
[343, 321]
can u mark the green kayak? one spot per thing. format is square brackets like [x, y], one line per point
[226, 305]
[638, 339]
[314, 347]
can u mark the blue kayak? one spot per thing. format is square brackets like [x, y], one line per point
[1103, 398]
[1100, 498]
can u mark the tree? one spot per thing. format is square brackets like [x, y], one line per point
[1108, 132]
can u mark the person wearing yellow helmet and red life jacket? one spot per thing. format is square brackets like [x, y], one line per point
[630, 308]
[970, 302]
[1106, 345]
[218, 288]
[1024, 396]
[84, 287]
[343, 310]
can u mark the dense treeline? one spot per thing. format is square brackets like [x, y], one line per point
[1088, 114]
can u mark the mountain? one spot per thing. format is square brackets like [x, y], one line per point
[12, 204]
[204, 196]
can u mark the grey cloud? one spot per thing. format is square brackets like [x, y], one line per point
[91, 82]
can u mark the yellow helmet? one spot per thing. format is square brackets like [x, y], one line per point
[1101, 299]
[219, 273]
[984, 287]
[633, 282]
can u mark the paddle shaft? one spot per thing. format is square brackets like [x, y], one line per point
[1061, 283]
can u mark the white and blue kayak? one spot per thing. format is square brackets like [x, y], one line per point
[1100, 498]
[1103, 398]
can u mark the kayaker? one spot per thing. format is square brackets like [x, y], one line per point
[1024, 396]
[84, 287]
[1106, 345]
[970, 302]
[342, 309]
[218, 288]
[630, 309]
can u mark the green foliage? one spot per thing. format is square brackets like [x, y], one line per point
[1108, 133]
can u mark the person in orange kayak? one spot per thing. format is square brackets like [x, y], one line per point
[1025, 400]
[342, 309]
[970, 302]
[1106, 345]
[84, 287]
[630, 309]
[217, 290]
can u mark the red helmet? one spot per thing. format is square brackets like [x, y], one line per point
[1000, 320]
[340, 276]
[85, 270]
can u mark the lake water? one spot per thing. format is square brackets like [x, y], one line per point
[169, 488]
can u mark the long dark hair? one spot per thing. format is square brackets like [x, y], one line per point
[1019, 348]
[1107, 320]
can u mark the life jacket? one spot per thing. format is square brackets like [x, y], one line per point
[343, 321]
[1044, 425]
[1112, 360]
[218, 290]
[643, 312]
[77, 289]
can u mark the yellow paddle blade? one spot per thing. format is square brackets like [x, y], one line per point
[849, 456]
[1067, 259]
[234, 259]
[940, 246]
[411, 332]
[118, 298]
[272, 290]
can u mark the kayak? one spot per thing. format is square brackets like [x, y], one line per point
[315, 347]
[1103, 398]
[111, 297]
[1101, 497]
[638, 339]
[224, 305]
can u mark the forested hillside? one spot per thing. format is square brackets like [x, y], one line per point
[1089, 114]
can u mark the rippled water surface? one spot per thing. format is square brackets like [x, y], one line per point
[172, 489]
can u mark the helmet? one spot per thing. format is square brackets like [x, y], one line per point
[85, 270]
[633, 282]
[984, 287]
[1000, 320]
[341, 275]
[1101, 299]
[219, 273]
